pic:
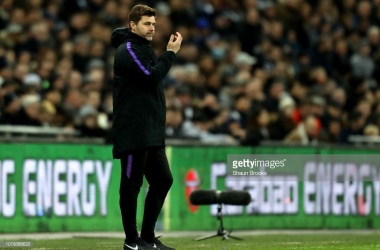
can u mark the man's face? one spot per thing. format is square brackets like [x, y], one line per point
[145, 27]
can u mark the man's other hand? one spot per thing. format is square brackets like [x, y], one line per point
[175, 46]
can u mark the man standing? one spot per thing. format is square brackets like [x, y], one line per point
[139, 123]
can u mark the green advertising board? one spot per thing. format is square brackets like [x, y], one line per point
[58, 188]
[51, 187]
[309, 203]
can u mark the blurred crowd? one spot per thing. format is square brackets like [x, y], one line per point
[298, 71]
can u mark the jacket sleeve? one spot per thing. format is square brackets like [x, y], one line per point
[141, 65]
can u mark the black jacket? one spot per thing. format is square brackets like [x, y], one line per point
[139, 107]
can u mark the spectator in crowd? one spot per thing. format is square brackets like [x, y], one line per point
[356, 121]
[90, 126]
[30, 112]
[284, 123]
[257, 128]
[173, 122]
[12, 106]
[304, 133]
[247, 71]
[47, 113]
[361, 62]
[371, 130]
[331, 132]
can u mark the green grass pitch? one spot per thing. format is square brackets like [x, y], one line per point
[263, 242]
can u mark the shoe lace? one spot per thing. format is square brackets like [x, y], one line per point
[156, 240]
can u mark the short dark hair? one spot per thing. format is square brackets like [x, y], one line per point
[140, 10]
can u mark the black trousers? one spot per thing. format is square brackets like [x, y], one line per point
[152, 163]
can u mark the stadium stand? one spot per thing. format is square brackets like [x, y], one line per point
[296, 71]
